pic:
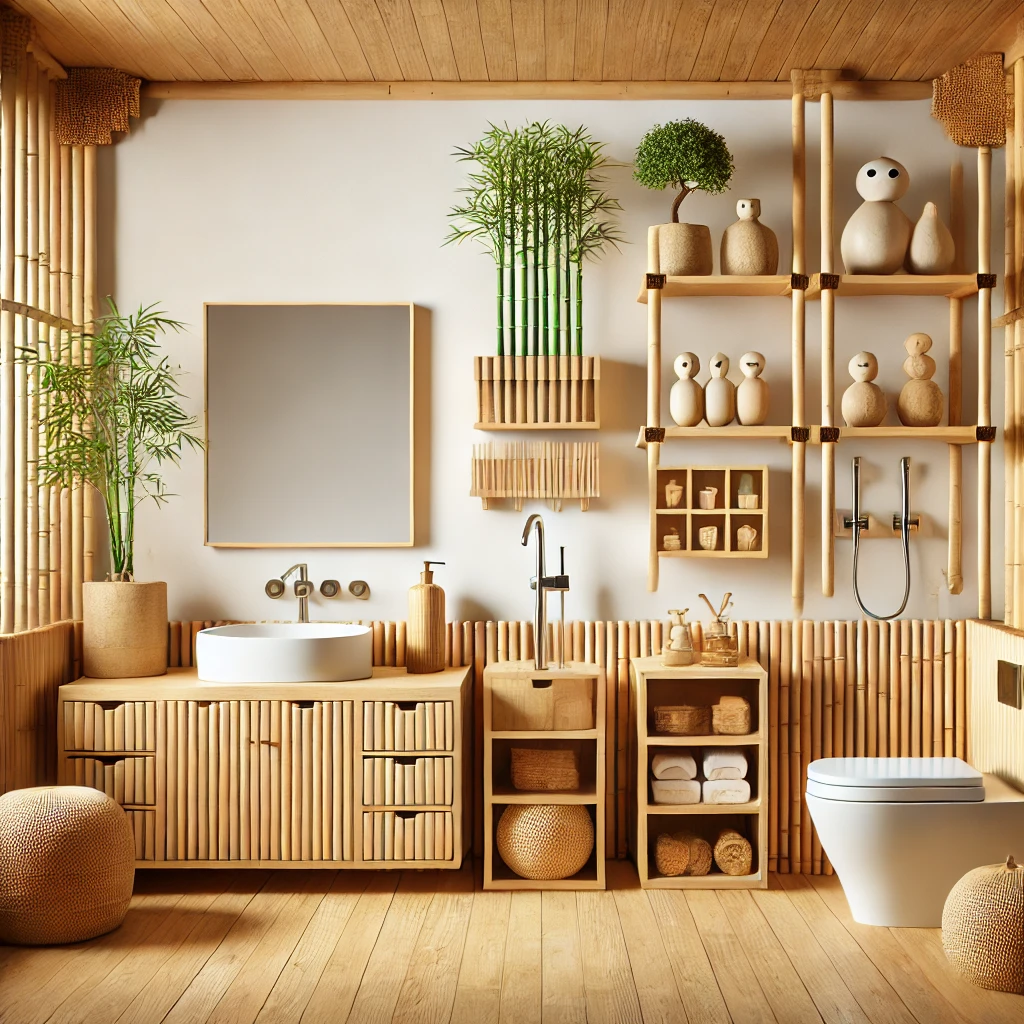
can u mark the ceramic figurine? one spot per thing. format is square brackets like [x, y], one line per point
[686, 399]
[706, 497]
[920, 403]
[876, 237]
[931, 245]
[745, 496]
[864, 403]
[752, 394]
[708, 537]
[746, 539]
[672, 540]
[673, 494]
[719, 394]
[748, 247]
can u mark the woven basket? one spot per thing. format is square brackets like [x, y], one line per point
[731, 717]
[545, 841]
[67, 865]
[983, 926]
[682, 853]
[539, 770]
[683, 720]
[733, 854]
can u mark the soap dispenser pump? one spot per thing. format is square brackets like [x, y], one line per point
[424, 645]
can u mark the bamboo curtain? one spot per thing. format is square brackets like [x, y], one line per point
[50, 124]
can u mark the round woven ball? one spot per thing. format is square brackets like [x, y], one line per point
[983, 926]
[545, 841]
[67, 865]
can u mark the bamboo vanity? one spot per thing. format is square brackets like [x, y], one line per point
[282, 775]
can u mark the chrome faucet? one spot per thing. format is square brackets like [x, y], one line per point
[541, 584]
[303, 587]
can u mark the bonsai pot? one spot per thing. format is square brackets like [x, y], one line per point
[124, 632]
[685, 250]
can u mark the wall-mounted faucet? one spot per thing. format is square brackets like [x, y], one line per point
[303, 588]
[542, 583]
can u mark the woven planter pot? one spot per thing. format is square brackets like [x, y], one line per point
[124, 633]
[549, 769]
[983, 926]
[545, 841]
[67, 864]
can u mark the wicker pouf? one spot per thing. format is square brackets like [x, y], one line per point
[545, 841]
[983, 926]
[67, 865]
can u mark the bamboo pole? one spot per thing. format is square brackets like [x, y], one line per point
[775, 641]
[881, 708]
[894, 690]
[1015, 170]
[45, 333]
[31, 342]
[67, 605]
[828, 353]
[21, 325]
[927, 690]
[915, 688]
[814, 726]
[839, 692]
[798, 320]
[56, 338]
[796, 795]
[88, 320]
[785, 701]
[984, 384]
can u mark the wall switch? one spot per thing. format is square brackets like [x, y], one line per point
[1008, 683]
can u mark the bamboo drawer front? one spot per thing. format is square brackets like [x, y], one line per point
[277, 775]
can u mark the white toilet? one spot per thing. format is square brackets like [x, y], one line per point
[901, 831]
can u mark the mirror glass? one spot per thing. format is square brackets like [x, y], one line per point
[309, 413]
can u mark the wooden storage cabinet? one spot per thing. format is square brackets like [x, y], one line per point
[211, 780]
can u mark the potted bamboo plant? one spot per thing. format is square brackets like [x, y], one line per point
[111, 424]
[688, 156]
[536, 205]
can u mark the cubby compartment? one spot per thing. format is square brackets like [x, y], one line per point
[673, 477]
[708, 827]
[702, 690]
[752, 777]
[737, 542]
[501, 771]
[556, 702]
[758, 479]
[705, 520]
[671, 524]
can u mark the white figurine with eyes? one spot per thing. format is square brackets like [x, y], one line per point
[876, 237]
[752, 394]
[864, 403]
[719, 393]
[686, 399]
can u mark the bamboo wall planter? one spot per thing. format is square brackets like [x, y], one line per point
[549, 470]
[538, 392]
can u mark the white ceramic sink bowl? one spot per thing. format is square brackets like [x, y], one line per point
[298, 652]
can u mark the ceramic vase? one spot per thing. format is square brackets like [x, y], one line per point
[686, 399]
[719, 394]
[752, 393]
[931, 245]
[124, 630]
[876, 237]
[748, 246]
[685, 250]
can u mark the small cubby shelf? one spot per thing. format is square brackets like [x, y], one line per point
[651, 683]
[553, 708]
[678, 528]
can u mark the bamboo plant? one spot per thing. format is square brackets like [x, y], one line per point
[537, 206]
[111, 422]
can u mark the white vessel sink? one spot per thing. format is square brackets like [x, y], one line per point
[299, 652]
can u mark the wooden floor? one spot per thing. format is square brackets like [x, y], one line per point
[361, 947]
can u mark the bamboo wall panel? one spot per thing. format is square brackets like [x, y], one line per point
[995, 731]
[834, 689]
[33, 665]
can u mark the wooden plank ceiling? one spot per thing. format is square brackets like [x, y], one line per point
[520, 40]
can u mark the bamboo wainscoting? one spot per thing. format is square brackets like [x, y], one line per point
[834, 689]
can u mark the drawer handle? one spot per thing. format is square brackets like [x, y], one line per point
[542, 684]
[266, 743]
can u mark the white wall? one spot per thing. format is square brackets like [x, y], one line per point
[322, 201]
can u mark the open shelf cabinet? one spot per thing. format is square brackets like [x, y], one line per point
[651, 684]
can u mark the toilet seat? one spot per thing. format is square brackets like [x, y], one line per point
[895, 780]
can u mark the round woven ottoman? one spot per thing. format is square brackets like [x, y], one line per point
[983, 926]
[545, 841]
[67, 864]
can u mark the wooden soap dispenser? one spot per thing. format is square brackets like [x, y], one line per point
[424, 644]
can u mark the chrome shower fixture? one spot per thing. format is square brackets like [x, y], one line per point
[902, 522]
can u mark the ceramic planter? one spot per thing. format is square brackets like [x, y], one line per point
[685, 250]
[124, 633]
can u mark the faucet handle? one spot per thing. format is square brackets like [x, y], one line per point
[552, 582]
[303, 588]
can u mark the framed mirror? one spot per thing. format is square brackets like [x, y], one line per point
[310, 416]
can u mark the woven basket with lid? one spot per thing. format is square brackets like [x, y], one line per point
[983, 926]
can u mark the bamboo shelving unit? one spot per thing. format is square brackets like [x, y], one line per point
[538, 392]
[652, 683]
[955, 288]
[551, 471]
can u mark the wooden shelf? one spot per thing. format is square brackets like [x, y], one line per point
[537, 426]
[729, 285]
[544, 734]
[714, 880]
[750, 807]
[712, 554]
[853, 286]
[508, 795]
[946, 435]
[657, 740]
[708, 511]
[652, 668]
[734, 432]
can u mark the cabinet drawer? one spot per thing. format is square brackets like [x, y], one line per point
[408, 781]
[109, 725]
[408, 836]
[128, 780]
[408, 725]
[541, 704]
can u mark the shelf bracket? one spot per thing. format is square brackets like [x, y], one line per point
[985, 433]
[800, 435]
[655, 282]
[986, 281]
[799, 282]
[828, 282]
[828, 435]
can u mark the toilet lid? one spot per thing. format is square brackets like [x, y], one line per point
[895, 779]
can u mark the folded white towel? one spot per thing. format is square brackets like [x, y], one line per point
[674, 766]
[725, 763]
[727, 791]
[676, 791]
